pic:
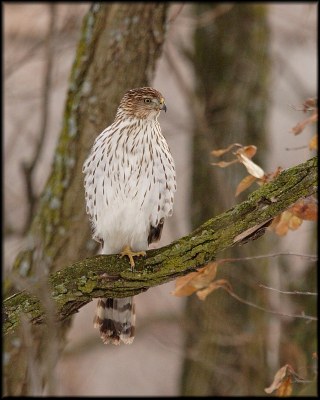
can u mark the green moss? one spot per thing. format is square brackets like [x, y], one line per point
[60, 289]
[110, 276]
[88, 286]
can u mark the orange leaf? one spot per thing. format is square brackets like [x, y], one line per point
[223, 164]
[301, 125]
[250, 151]
[220, 283]
[220, 152]
[313, 144]
[294, 222]
[287, 220]
[184, 286]
[282, 381]
[282, 227]
[246, 182]
[285, 389]
[274, 223]
[306, 209]
[279, 378]
[200, 279]
[310, 104]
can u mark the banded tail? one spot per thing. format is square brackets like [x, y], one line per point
[115, 319]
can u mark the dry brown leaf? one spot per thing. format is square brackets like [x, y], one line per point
[294, 222]
[186, 285]
[220, 283]
[285, 389]
[310, 104]
[313, 144]
[252, 168]
[279, 377]
[287, 220]
[223, 164]
[274, 223]
[244, 155]
[246, 182]
[283, 380]
[220, 152]
[183, 285]
[296, 130]
[282, 226]
[250, 151]
[306, 209]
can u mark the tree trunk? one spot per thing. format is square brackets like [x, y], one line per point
[231, 68]
[117, 51]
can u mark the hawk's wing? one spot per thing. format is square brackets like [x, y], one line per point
[155, 232]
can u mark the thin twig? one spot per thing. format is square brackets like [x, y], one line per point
[176, 14]
[209, 16]
[307, 256]
[29, 55]
[296, 148]
[29, 168]
[285, 292]
[248, 303]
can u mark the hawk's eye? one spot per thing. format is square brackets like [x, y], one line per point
[147, 100]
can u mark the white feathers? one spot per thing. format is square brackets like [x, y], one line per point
[129, 187]
[129, 183]
[115, 319]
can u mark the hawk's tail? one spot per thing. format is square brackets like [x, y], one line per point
[116, 320]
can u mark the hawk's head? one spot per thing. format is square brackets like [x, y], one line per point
[144, 103]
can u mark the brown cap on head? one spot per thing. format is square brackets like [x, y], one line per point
[145, 103]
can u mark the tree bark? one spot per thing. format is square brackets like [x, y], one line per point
[231, 65]
[109, 276]
[117, 51]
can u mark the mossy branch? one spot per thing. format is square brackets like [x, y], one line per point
[118, 49]
[110, 276]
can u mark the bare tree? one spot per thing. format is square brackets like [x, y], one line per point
[115, 38]
[232, 89]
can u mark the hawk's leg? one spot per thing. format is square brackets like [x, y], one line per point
[126, 251]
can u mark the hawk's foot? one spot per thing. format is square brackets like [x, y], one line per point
[126, 251]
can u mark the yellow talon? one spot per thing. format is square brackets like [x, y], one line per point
[126, 251]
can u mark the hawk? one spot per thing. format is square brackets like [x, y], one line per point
[129, 189]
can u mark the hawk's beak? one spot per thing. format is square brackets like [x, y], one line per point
[164, 107]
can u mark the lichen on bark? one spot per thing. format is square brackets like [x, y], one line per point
[118, 48]
[111, 276]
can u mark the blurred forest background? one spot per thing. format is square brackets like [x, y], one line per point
[229, 73]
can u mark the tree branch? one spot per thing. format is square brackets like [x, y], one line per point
[115, 38]
[28, 168]
[110, 276]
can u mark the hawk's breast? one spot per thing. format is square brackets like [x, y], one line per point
[130, 182]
